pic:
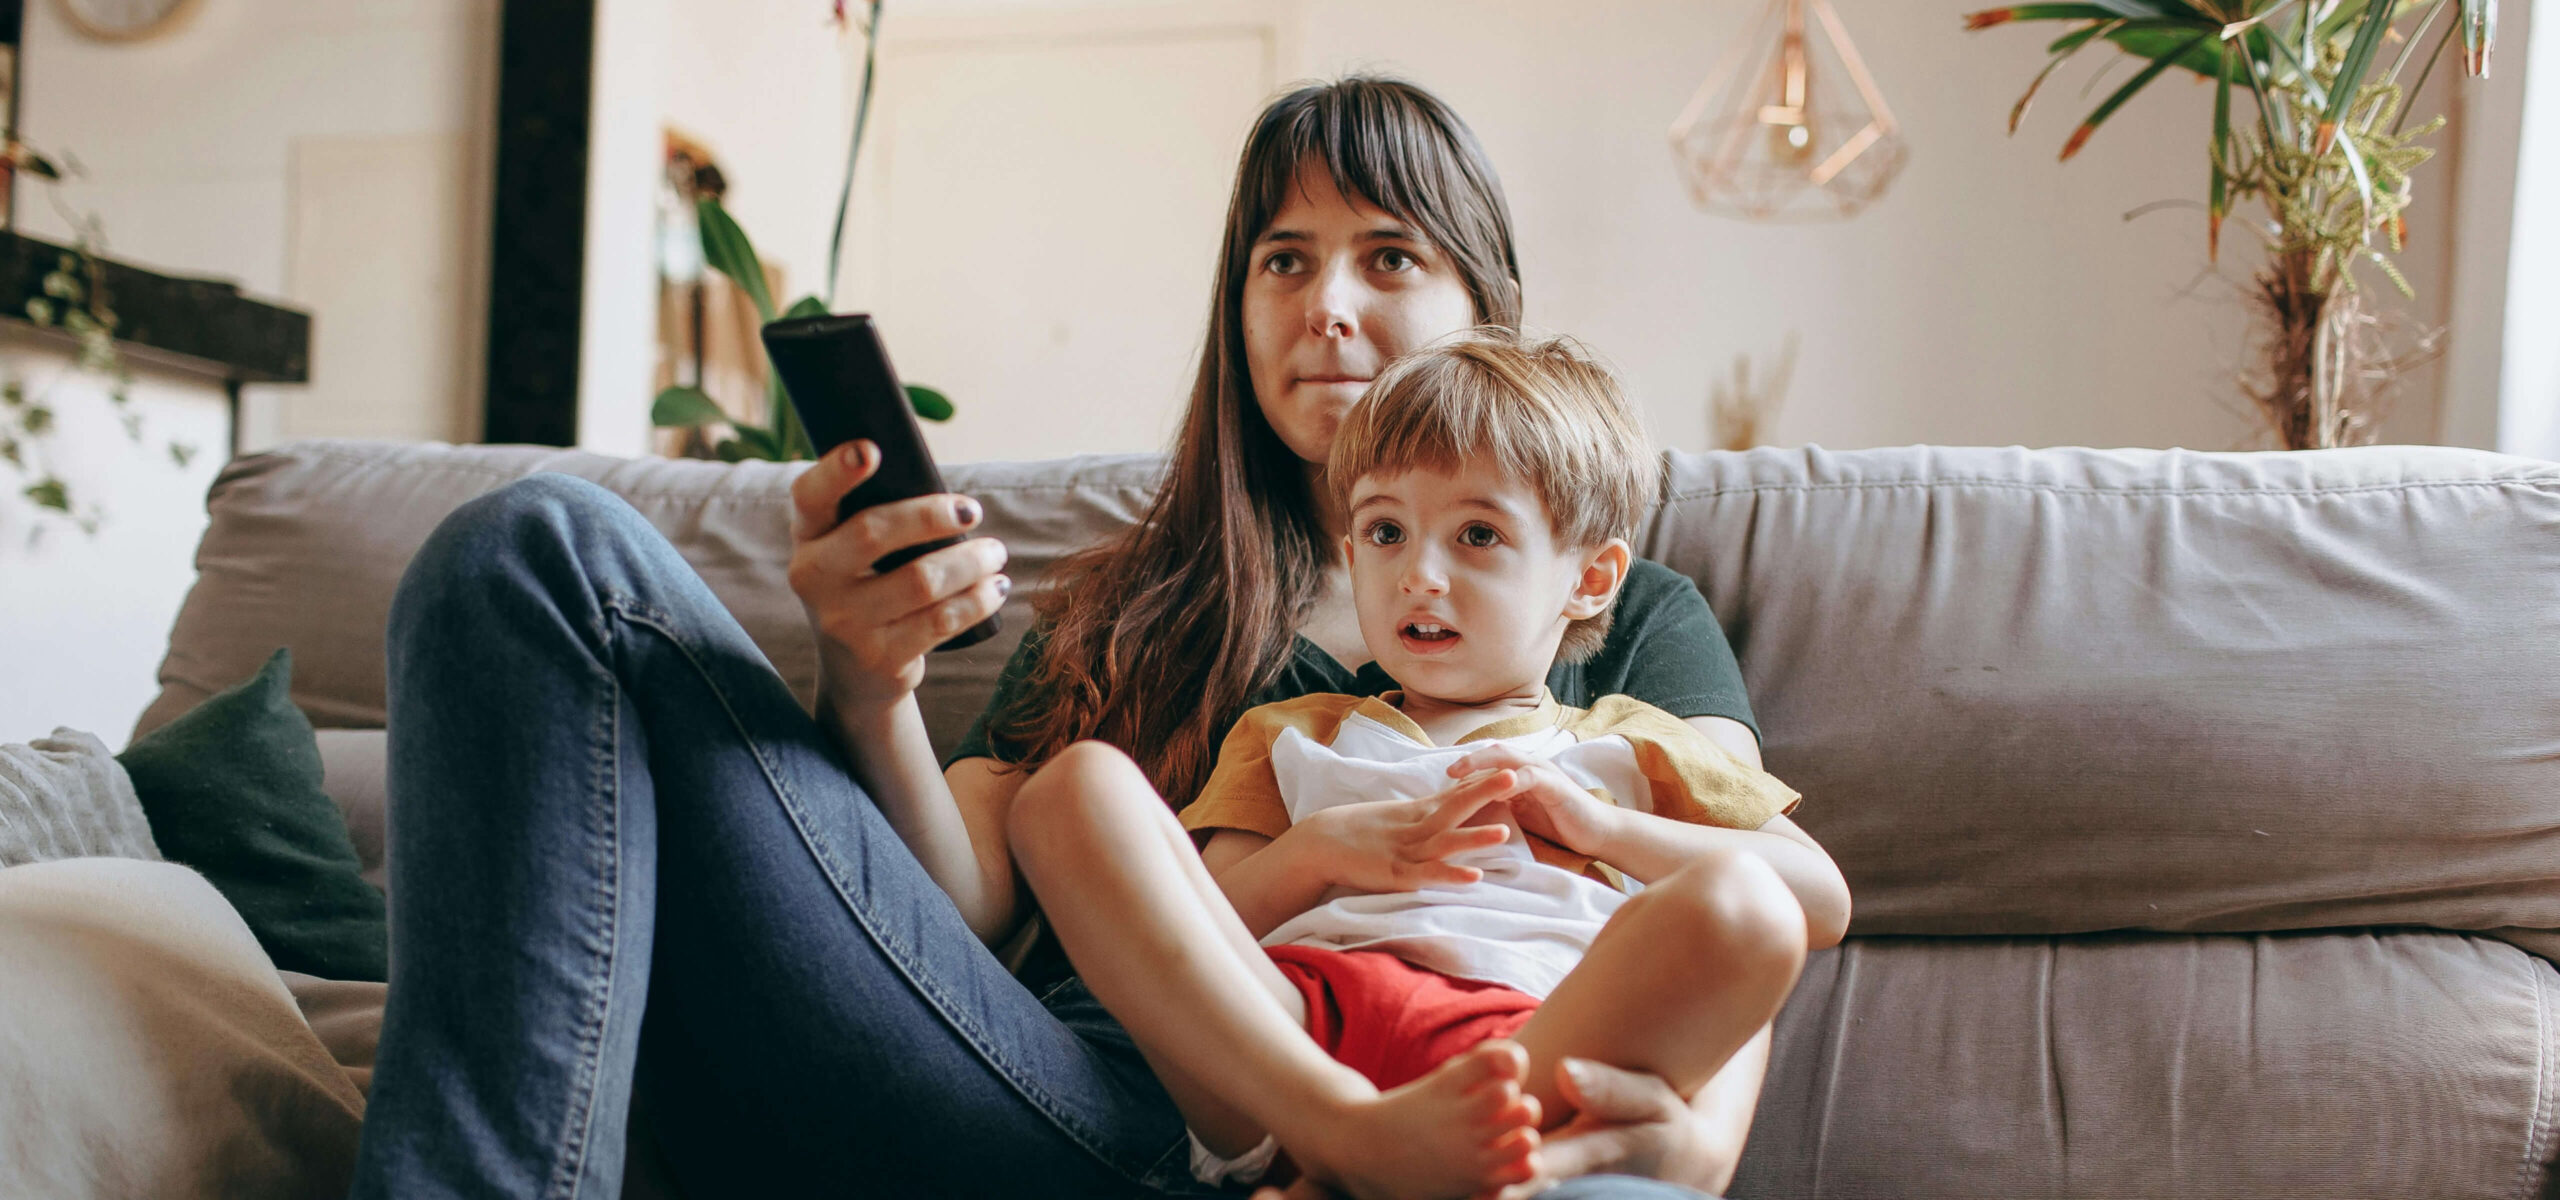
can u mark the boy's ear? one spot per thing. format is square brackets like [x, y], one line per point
[1602, 575]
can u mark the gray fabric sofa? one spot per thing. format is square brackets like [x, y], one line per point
[2202, 810]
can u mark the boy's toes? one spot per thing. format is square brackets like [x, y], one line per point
[1522, 1112]
[1498, 1061]
[1513, 1157]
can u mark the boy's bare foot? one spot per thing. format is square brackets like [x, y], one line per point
[1464, 1129]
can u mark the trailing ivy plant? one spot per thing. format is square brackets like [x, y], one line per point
[74, 302]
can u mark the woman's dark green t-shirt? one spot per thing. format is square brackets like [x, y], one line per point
[1663, 648]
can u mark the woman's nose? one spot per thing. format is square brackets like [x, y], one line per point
[1333, 305]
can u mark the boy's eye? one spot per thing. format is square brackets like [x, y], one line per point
[1385, 533]
[1479, 536]
[1394, 258]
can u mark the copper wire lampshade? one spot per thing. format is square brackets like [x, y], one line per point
[1790, 126]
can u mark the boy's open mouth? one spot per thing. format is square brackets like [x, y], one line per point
[1426, 637]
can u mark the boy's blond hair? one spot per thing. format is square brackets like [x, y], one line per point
[1534, 409]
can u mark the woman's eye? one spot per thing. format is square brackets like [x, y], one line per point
[1385, 533]
[1283, 263]
[1479, 536]
[1394, 259]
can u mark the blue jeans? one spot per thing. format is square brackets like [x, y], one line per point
[622, 856]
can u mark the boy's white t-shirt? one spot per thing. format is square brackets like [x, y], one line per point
[1536, 909]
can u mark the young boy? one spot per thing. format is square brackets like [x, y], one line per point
[1396, 1026]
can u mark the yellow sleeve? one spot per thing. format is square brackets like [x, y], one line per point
[1693, 779]
[1243, 792]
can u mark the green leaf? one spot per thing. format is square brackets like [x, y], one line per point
[755, 442]
[2063, 49]
[928, 403]
[2099, 115]
[2479, 34]
[181, 453]
[683, 407]
[1989, 17]
[2342, 91]
[2346, 143]
[2271, 123]
[726, 248]
[2218, 197]
[49, 493]
[2153, 40]
[40, 310]
[37, 420]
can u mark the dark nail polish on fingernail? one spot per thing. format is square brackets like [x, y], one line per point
[1004, 585]
[968, 510]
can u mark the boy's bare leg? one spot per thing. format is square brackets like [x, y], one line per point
[1684, 975]
[1158, 943]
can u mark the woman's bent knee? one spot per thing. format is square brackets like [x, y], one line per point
[542, 519]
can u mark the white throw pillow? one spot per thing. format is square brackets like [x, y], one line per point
[148, 1048]
[66, 797]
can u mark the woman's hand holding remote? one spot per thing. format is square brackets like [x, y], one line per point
[875, 629]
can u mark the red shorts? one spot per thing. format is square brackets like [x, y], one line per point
[1390, 1020]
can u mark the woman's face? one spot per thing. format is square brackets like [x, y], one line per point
[1334, 290]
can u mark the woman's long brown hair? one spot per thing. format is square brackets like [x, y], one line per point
[1157, 638]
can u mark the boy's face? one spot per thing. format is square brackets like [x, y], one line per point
[1462, 589]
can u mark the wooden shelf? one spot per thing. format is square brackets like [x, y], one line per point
[200, 326]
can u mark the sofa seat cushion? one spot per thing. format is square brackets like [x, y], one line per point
[148, 1048]
[2337, 1065]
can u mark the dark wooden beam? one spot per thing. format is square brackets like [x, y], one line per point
[537, 231]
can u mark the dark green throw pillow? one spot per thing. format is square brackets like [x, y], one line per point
[232, 789]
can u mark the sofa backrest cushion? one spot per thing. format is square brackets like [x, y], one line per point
[2023, 691]
[307, 543]
[2052, 691]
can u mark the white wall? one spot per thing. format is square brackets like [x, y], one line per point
[2529, 384]
[332, 155]
[83, 619]
[199, 145]
[1994, 295]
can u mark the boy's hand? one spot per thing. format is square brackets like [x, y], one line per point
[1402, 845]
[1545, 800]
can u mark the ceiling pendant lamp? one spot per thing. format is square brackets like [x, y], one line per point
[1790, 125]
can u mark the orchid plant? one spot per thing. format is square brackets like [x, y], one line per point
[726, 249]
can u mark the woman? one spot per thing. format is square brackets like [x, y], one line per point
[625, 855]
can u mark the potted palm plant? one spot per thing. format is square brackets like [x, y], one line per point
[2328, 157]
